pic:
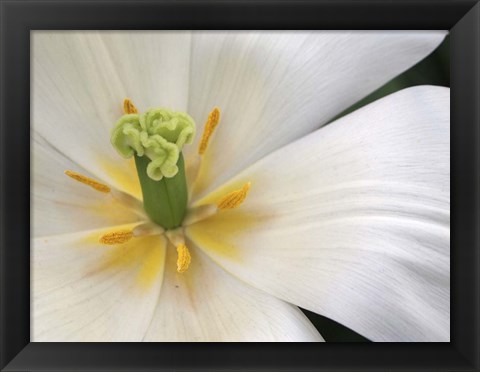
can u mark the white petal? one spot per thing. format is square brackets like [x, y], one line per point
[275, 87]
[81, 78]
[84, 291]
[207, 304]
[352, 221]
[61, 205]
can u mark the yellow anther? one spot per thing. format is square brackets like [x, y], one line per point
[116, 237]
[183, 259]
[210, 125]
[235, 198]
[88, 181]
[129, 107]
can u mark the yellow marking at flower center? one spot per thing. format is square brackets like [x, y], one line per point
[123, 175]
[88, 181]
[183, 259]
[129, 107]
[116, 237]
[235, 198]
[143, 256]
[210, 125]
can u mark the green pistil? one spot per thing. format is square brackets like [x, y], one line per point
[156, 139]
[165, 201]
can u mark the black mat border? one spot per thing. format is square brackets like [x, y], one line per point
[18, 17]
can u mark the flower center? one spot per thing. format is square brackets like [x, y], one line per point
[155, 139]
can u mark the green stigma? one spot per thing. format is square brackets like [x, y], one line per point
[159, 134]
[156, 139]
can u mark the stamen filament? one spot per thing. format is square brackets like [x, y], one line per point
[127, 200]
[210, 125]
[192, 168]
[129, 107]
[235, 198]
[147, 228]
[199, 213]
[88, 181]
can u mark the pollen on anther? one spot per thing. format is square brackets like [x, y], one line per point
[235, 198]
[116, 237]
[129, 107]
[88, 181]
[210, 125]
[183, 259]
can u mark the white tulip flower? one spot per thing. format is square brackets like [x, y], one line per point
[239, 221]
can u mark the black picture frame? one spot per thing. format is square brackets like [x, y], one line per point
[19, 17]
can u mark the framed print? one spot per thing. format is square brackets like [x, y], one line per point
[227, 185]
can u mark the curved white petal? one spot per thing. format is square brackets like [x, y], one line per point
[84, 291]
[61, 205]
[81, 78]
[207, 304]
[352, 221]
[275, 87]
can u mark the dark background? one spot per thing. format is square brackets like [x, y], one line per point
[433, 70]
[461, 17]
